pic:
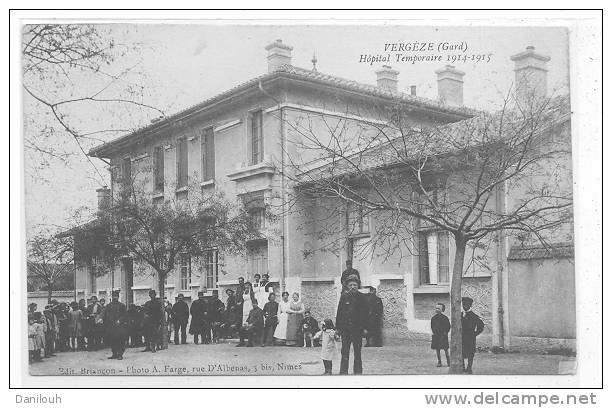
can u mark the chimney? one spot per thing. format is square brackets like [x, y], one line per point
[530, 74]
[413, 90]
[278, 54]
[386, 78]
[104, 198]
[450, 85]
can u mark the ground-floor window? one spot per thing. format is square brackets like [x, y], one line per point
[185, 271]
[257, 259]
[211, 268]
[434, 256]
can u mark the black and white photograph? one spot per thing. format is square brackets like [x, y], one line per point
[298, 198]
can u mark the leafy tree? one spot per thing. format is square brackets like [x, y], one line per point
[50, 260]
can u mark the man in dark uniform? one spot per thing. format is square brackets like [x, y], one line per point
[374, 328]
[348, 272]
[253, 326]
[215, 315]
[153, 316]
[351, 320]
[471, 326]
[229, 314]
[115, 320]
[198, 314]
[180, 315]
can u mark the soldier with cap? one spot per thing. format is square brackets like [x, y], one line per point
[471, 326]
[180, 315]
[351, 320]
[115, 320]
[153, 316]
[375, 317]
[198, 315]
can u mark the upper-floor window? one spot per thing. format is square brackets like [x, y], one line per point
[126, 177]
[358, 220]
[256, 137]
[182, 163]
[434, 256]
[208, 154]
[258, 217]
[158, 163]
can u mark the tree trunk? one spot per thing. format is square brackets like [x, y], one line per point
[164, 325]
[456, 358]
[49, 293]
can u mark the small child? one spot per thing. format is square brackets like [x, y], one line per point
[328, 338]
[440, 326]
[309, 327]
[32, 346]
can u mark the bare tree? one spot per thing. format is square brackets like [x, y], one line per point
[50, 260]
[72, 79]
[479, 180]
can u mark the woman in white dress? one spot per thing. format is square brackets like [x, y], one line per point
[284, 305]
[247, 298]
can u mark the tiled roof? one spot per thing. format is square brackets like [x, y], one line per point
[292, 72]
[559, 250]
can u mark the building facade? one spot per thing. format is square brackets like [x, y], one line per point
[241, 142]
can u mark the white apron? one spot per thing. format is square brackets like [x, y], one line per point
[281, 330]
[246, 307]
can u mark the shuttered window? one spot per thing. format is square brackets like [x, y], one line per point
[256, 136]
[182, 164]
[208, 154]
[158, 158]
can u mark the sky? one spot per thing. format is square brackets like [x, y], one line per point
[182, 64]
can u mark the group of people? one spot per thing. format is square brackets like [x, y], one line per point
[251, 313]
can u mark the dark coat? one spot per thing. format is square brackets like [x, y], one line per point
[116, 320]
[440, 326]
[375, 306]
[256, 317]
[180, 311]
[215, 309]
[309, 325]
[153, 316]
[352, 315]
[270, 311]
[198, 310]
[471, 326]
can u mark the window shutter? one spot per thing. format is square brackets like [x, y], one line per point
[208, 155]
[423, 258]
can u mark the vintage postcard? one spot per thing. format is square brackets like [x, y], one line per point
[256, 198]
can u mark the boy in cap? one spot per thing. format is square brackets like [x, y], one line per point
[471, 326]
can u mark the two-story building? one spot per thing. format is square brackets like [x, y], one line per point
[241, 142]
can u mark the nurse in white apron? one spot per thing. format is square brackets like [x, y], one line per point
[247, 297]
[283, 306]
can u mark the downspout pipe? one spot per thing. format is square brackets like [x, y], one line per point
[283, 186]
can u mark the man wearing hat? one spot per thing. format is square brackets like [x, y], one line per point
[348, 272]
[375, 317]
[115, 320]
[198, 317]
[351, 320]
[471, 326]
[180, 315]
[153, 316]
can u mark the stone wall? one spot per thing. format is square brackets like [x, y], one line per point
[393, 295]
[479, 289]
[320, 298]
[425, 303]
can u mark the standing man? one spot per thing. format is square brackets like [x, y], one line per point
[351, 320]
[471, 326]
[349, 271]
[375, 315]
[215, 315]
[115, 320]
[153, 316]
[198, 314]
[270, 312]
[180, 316]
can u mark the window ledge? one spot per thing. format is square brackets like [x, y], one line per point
[194, 285]
[182, 190]
[208, 183]
[360, 235]
[158, 195]
[263, 168]
[432, 289]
